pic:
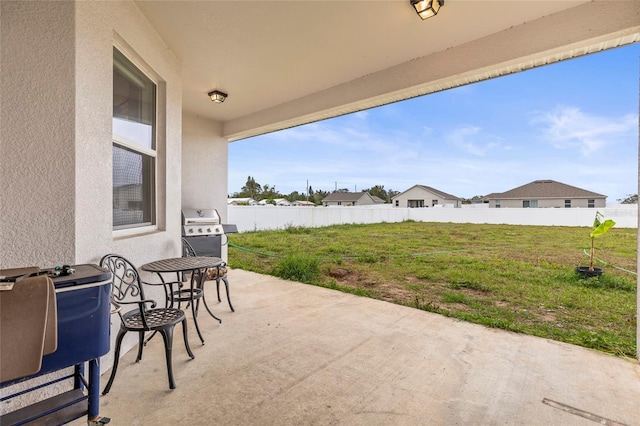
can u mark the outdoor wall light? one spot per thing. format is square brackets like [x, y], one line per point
[427, 8]
[217, 96]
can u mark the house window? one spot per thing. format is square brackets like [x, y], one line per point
[434, 203]
[397, 203]
[529, 203]
[134, 145]
[591, 203]
[497, 204]
[567, 204]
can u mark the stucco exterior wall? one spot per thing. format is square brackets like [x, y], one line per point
[56, 136]
[56, 139]
[204, 171]
[100, 26]
[417, 193]
[37, 141]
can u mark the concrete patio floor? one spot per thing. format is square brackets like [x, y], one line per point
[295, 354]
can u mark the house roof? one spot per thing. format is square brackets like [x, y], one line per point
[439, 193]
[345, 196]
[240, 200]
[546, 188]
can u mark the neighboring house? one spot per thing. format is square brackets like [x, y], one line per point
[241, 202]
[378, 200]
[303, 203]
[276, 201]
[425, 196]
[348, 199]
[547, 193]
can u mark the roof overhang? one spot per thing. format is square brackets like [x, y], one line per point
[287, 63]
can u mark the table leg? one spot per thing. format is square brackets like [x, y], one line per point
[204, 298]
[194, 310]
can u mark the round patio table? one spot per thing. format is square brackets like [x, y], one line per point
[197, 266]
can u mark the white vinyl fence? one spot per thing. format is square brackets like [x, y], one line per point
[255, 218]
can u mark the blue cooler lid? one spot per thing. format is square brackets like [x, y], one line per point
[84, 274]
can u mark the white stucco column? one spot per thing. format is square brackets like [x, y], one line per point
[204, 164]
[37, 141]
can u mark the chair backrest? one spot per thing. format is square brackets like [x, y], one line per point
[187, 249]
[126, 280]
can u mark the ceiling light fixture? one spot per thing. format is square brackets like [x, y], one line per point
[217, 96]
[426, 8]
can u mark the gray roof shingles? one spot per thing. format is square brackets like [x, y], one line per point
[545, 189]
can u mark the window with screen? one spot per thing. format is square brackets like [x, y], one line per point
[134, 145]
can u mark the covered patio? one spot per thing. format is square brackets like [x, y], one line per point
[291, 354]
[295, 354]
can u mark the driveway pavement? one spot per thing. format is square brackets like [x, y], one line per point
[294, 354]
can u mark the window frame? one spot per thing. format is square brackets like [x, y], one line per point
[591, 203]
[153, 153]
[567, 204]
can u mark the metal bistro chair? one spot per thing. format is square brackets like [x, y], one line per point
[219, 273]
[128, 290]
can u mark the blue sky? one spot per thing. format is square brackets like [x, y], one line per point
[575, 122]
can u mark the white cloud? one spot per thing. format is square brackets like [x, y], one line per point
[471, 140]
[570, 128]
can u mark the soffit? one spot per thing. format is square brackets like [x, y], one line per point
[274, 57]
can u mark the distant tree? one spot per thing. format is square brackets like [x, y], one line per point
[269, 192]
[379, 191]
[391, 193]
[630, 199]
[318, 196]
[296, 196]
[251, 189]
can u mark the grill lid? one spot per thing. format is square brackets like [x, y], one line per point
[200, 217]
[201, 222]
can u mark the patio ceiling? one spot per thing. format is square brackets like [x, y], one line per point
[285, 63]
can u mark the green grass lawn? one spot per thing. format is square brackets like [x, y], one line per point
[518, 278]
